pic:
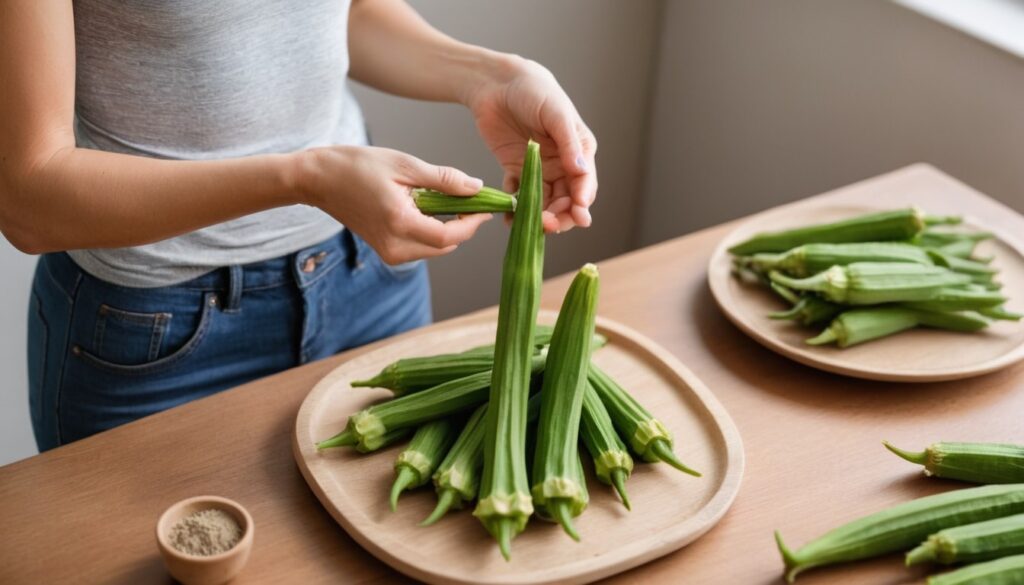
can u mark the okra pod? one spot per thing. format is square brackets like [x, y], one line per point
[417, 462]
[488, 200]
[366, 428]
[870, 283]
[975, 462]
[1001, 313]
[958, 299]
[971, 543]
[903, 526]
[559, 488]
[418, 373]
[866, 324]
[643, 433]
[457, 479]
[505, 506]
[810, 259]
[1004, 571]
[958, 264]
[612, 462]
[884, 226]
[808, 309]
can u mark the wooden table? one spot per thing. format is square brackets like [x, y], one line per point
[86, 512]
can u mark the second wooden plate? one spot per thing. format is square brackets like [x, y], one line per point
[920, 355]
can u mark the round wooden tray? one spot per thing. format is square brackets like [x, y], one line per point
[920, 355]
[670, 509]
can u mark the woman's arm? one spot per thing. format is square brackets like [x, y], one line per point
[54, 196]
[512, 99]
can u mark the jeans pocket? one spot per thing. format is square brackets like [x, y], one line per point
[147, 343]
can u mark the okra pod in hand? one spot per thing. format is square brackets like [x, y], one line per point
[488, 200]
[505, 506]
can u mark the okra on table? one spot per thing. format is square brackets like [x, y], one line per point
[971, 543]
[1004, 571]
[975, 462]
[903, 526]
[418, 461]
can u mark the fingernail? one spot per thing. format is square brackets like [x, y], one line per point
[582, 164]
[473, 183]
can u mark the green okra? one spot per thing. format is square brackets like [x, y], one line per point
[612, 461]
[810, 259]
[559, 489]
[457, 479]
[866, 324]
[417, 462]
[959, 264]
[645, 435]
[971, 543]
[934, 237]
[870, 283]
[808, 309]
[959, 299]
[1004, 571]
[366, 428]
[897, 225]
[962, 248]
[1001, 313]
[903, 526]
[504, 504]
[488, 200]
[975, 462]
[418, 373]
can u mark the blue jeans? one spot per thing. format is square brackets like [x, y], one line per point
[101, 355]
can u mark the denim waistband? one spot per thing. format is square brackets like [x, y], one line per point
[302, 268]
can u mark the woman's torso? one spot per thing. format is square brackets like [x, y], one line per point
[192, 79]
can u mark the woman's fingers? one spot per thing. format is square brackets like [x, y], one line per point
[432, 232]
[441, 178]
[559, 120]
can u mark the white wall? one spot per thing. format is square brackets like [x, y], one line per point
[759, 103]
[15, 429]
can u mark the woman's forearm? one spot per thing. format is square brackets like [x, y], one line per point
[393, 49]
[82, 198]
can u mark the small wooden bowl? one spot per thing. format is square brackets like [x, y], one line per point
[204, 570]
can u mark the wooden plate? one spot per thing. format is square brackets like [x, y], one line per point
[670, 509]
[920, 355]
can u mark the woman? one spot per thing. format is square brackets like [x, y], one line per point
[197, 161]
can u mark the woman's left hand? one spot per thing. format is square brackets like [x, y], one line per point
[519, 100]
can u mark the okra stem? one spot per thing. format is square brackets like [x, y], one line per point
[618, 477]
[406, 478]
[488, 200]
[661, 449]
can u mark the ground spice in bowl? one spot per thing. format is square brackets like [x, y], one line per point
[205, 533]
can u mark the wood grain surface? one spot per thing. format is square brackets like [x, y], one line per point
[85, 513]
[919, 355]
[670, 509]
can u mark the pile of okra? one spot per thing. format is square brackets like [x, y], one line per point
[979, 528]
[478, 417]
[876, 275]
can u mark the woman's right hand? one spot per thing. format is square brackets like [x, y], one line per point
[368, 189]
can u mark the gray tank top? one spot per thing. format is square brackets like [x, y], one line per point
[196, 80]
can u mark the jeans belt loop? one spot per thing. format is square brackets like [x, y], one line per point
[235, 284]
